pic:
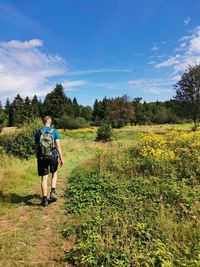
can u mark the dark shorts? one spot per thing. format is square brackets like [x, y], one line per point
[46, 165]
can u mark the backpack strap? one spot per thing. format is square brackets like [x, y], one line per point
[42, 130]
[51, 131]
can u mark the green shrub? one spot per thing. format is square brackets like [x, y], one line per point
[104, 133]
[21, 143]
[73, 123]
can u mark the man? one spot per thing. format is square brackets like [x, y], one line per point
[48, 149]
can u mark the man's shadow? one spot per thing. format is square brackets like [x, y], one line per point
[30, 200]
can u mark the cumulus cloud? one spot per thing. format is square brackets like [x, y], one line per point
[25, 69]
[189, 53]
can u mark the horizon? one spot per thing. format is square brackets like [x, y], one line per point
[97, 48]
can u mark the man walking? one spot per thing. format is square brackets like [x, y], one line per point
[48, 148]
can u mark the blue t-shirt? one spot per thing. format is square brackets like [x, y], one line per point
[47, 129]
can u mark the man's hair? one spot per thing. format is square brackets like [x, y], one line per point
[46, 118]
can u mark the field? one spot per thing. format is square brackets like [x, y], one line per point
[132, 202]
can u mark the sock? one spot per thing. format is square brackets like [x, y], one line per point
[53, 190]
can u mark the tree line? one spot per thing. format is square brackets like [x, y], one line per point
[118, 111]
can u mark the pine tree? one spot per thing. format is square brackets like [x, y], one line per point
[41, 109]
[7, 110]
[56, 104]
[100, 109]
[75, 108]
[17, 111]
[35, 107]
[86, 112]
[7, 106]
[95, 110]
[2, 117]
[27, 110]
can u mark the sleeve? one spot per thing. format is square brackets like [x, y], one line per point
[56, 135]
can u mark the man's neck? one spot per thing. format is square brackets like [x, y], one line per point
[47, 125]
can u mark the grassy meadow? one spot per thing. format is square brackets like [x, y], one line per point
[132, 202]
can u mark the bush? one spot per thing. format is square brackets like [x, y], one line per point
[104, 133]
[73, 123]
[21, 143]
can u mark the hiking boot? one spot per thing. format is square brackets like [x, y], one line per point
[53, 195]
[45, 202]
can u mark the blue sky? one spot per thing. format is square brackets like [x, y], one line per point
[97, 48]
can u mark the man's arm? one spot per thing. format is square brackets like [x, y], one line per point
[36, 143]
[59, 148]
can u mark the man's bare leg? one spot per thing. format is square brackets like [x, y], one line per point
[54, 178]
[44, 180]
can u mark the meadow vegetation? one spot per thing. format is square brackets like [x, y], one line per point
[131, 202]
[136, 203]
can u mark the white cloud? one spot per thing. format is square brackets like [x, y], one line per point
[189, 53]
[72, 85]
[95, 71]
[25, 69]
[194, 46]
[25, 44]
[153, 86]
[173, 60]
[187, 21]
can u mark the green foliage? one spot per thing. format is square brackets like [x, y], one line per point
[188, 92]
[20, 143]
[120, 111]
[104, 132]
[56, 104]
[129, 217]
[20, 111]
[86, 112]
[36, 107]
[3, 118]
[68, 122]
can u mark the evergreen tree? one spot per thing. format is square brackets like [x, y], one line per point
[17, 111]
[86, 112]
[2, 117]
[7, 107]
[100, 110]
[75, 108]
[56, 104]
[41, 109]
[35, 107]
[27, 110]
[7, 110]
[95, 110]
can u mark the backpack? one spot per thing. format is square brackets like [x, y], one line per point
[46, 144]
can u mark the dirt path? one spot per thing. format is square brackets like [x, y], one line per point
[31, 235]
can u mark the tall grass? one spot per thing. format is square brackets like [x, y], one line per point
[136, 208]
